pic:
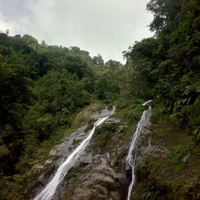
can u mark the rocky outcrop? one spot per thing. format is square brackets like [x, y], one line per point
[95, 112]
[56, 157]
[95, 175]
[96, 180]
[98, 175]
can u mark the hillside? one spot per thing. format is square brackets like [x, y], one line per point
[47, 92]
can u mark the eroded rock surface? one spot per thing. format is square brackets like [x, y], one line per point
[94, 112]
[97, 180]
[95, 175]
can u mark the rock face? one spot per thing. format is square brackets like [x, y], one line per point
[56, 157]
[94, 112]
[96, 175]
[97, 180]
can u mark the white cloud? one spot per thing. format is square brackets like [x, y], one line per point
[98, 26]
[7, 24]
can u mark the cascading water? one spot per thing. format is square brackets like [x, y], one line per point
[130, 160]
[48, 192]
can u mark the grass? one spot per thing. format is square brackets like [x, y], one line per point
[131, 114]
[103, 134]
[90, 125]
[157, 177]
[80, 121]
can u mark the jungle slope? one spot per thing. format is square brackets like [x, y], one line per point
[42, 88]
[170, 169]
[166, 67]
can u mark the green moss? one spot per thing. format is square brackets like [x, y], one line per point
[79, 121]
[159, 114]
[90, 125]
[103, 134]
[109, 107]
[49, 169]
[131, 114]
[72, 172]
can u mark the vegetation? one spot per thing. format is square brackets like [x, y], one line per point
[103, 134]
[170, 170]
[43, 87]
[165, 68]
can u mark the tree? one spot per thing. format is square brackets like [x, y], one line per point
[7, 32]
[98, 60]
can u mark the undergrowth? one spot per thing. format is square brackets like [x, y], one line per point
[170, 170]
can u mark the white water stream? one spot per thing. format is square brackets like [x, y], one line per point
[48, 192]
[132, 149]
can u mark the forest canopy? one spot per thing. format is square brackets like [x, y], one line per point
[41, 88]
[168, 64]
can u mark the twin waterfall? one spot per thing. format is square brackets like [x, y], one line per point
[132, 149]
[48, 192]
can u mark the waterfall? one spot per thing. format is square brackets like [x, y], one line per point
[132, 149]
[48, 192]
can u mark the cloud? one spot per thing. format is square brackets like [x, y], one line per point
[6, 23]
[98, 26]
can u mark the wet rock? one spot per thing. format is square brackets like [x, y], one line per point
[88, 159]
[38, 166]
[93, 112]
[96, 181]
[66, 145]
[47, 162]
[94, 178]
[81, 193]
[108, 157]
[113, 120]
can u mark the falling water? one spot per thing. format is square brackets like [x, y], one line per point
[48, 192]
[132, 153]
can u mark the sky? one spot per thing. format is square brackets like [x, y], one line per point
[105, 27]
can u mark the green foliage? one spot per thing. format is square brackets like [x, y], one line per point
[174, 156]
[158, 114]
[42, 88]
[80, 121]
[179, 156]
[150, 187]
[103, 134]
[105, 90]
[90, 125]
[136, 111]
[4, 181]
[167, 66]
[98, 60]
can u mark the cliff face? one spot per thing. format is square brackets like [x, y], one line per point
[100, 171]
[93, 178]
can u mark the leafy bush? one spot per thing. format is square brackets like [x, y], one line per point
[79, 121]
[103, 134]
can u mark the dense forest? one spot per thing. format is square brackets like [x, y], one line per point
[42, 87]
[166, 66]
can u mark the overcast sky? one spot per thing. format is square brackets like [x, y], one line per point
[107, 27]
